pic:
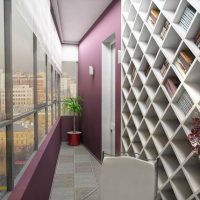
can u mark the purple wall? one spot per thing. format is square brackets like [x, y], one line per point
[35, 183]
[90, 87]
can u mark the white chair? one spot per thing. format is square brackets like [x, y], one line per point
[127, 178]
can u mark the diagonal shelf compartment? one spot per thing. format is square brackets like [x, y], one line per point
[131, 129]
[169, 9]
[184, 16]
[153, 16]
[183, 61]
[167, 192]
[181, 145]
[137, 145]
[126, 87]
[169, 161]
[144, 38]
[131, 101]
[171, 44]
[160, 139]
[160, 103]
[192, 82]
[191, 171]
[144, 70]
[170, 123]
[126, 140]
[137, 86]
[162, 176]
[151, 119]
[126, 34]
[187, 125]
[144, 133]
[131, 73]
[144, 102]
[131, 45]
[171, 84]
[191, 35]
[125, 114]
[151, 85]
[152, 51]
[142, 156]
[161, 66]
[144, 6]
[137, 27]
[182, 104]
[126, 61]
[137, 116]
[137, 56]
[161, 30]
[150, 150]
[131, 17]
[180, 186]
[131, 151]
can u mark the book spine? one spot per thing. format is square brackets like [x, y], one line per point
[168, 89]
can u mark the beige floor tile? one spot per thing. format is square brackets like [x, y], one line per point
[63, 180]
[62, 194]
[84, 180]
[82, 192]
[83, 167]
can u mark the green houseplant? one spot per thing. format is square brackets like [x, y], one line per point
[74, 106]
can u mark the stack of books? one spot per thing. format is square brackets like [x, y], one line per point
[164, 30]
[133, 74]
[147, 102]
[164, 67]
[146, 70]
[185, 103]
[153, 17]
[197, 39]
[171, 84]
[184, 60]
[186, 18]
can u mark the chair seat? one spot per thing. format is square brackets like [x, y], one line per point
[127, 178]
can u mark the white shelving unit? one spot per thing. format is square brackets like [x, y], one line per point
[153, 125]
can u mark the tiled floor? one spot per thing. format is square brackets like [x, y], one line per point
[76, 176]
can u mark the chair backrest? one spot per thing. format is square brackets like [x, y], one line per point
[127, 178]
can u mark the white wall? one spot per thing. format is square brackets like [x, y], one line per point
[70, 53]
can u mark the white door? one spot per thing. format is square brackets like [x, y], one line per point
[108, 95]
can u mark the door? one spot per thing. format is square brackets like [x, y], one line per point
[108, 95]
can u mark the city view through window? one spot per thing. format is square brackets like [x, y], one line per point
[35, 97]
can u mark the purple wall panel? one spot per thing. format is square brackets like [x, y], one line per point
[90, 87]
[36, 181]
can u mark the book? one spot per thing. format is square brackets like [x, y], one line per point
[133, 74]
[187, 56]
[164, 29]
[164, 67]
[153, 16]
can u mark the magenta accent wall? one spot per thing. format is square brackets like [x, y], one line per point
[90, 87]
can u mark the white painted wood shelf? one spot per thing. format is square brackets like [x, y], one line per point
[153, 125]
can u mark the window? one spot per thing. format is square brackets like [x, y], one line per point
[3, 183]
[68, 82]
[49, 117]
[2, 63]
[49, 82]
[23, 131]
[41, 75]
[22, 51]
[54, 84]
[41, 125]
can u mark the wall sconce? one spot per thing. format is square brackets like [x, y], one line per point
[91, 70]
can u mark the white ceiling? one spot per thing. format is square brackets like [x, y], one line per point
[75, 17]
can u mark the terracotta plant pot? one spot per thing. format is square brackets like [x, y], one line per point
[74, 138]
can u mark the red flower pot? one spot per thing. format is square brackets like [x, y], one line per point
[74, 138]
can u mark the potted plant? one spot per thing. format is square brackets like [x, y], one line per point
[74, 106]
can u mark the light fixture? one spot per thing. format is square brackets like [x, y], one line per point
[91, 70]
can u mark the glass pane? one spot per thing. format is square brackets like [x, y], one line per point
[54, 85]
[3, 183]
[49, 82]
[41, 125]
[23, 131]
[41, 75]
[68, 82]
[22, 52]
[2, 63]
[54, 113]
[49, 117]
